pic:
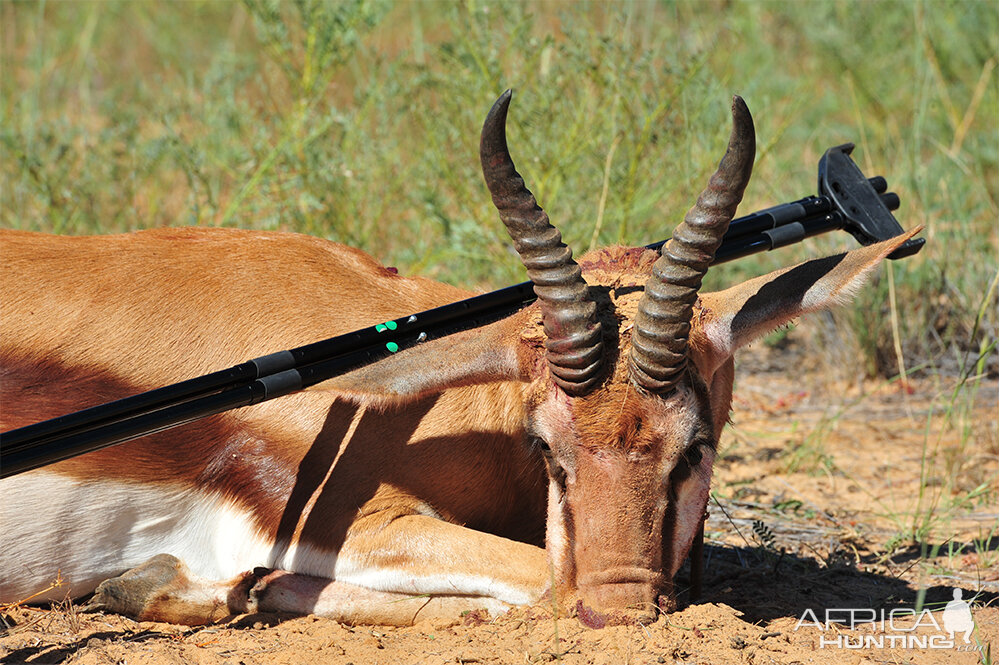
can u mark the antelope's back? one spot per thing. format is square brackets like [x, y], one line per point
[87, 319]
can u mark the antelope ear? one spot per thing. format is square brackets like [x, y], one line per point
[731, 319]
[481, 355]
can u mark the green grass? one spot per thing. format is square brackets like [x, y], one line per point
[359, 122]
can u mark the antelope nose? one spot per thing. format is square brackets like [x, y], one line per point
[623, 593]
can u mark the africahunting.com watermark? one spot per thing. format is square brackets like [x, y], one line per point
[898, 628]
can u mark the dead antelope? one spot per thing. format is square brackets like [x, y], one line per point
[570, 443]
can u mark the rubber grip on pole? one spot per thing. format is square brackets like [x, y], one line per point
[273, 363]
[788, 234]
[282, 383]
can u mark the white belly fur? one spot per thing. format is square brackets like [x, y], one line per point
[88, 531]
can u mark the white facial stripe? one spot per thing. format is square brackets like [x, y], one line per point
[692, 497]
[557, 540]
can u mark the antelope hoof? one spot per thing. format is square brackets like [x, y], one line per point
[132, 592]
[163, 589]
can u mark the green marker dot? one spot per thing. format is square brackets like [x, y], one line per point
[391, 325]
[392, 346]
[380, 328]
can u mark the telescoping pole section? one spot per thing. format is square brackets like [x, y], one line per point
[249, 383]
[285, 372]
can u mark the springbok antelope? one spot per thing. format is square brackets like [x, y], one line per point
[566, 448]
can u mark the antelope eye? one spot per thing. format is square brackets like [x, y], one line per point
[542, 445]
[693, 455]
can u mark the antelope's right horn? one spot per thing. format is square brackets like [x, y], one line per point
[573, 343]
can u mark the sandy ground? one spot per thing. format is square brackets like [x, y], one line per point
[817, 486]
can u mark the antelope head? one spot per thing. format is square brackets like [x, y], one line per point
[629, 413]
[625, 371]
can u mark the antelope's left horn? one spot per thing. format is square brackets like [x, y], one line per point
[573, 334]
[663, 322]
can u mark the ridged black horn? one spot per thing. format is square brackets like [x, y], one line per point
[663, 322]
[573, 334]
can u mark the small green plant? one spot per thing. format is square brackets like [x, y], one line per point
[987, 549]
[986, 655]
[768, 543]
[764, 536]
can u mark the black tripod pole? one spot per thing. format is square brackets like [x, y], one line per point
[747, 235]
